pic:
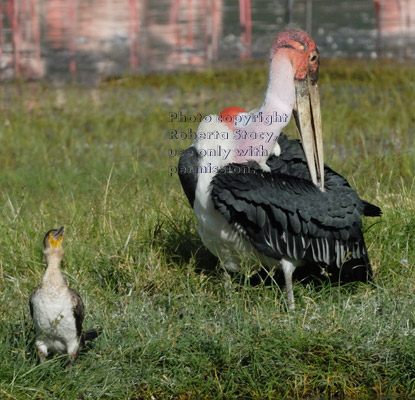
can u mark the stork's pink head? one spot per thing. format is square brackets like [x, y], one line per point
[297, 48]
[301, 50]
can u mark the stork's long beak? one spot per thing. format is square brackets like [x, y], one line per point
[308, 120]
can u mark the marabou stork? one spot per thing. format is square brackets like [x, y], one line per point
[254, 191]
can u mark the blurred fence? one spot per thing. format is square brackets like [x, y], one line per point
[88, 39]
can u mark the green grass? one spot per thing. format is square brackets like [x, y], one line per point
[96, 161]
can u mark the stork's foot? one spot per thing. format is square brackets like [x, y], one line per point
[227, 279]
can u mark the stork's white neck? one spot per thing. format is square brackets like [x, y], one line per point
[280, 95]
[274, 114]
[261, 128]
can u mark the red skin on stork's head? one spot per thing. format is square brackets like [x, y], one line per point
[301, 50]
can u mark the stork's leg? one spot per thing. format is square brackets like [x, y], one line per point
[227, 279]
[229, 264]
[288, 268]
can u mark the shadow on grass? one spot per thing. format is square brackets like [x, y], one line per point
[182, 245]
[21, 340]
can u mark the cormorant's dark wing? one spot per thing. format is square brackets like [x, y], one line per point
[78, 310]
[188, 164]
[284, 215]
[31, 304]
[31, 300]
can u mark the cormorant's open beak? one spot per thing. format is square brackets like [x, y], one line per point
[56, 238]
[59, 233]
[308, 120]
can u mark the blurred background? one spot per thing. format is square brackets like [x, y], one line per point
[86, 40]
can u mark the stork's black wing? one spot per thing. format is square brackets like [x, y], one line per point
[188, 163]
[292, 162]
[283, 214]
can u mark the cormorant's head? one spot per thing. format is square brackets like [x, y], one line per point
[53, 239]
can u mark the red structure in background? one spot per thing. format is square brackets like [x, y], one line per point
[21, 56]
[73, 30]
[76, 29]
[186, 17]
[212, 27]
[35, 30]
[246, 28]
[1, 29]
[395, 22]
[12, 11]
[134, 34]
[110, 37]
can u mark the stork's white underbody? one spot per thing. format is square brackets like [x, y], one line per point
[224, 241]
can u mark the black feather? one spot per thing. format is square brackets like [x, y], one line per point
[91, 334]
[282, 213]
[187, 170]
[370, 210]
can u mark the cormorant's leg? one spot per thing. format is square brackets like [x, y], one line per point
[42, 351]
[73, 352]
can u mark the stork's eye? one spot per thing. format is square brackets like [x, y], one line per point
[313, 57]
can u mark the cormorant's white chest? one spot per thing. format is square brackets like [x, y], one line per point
[54, 318]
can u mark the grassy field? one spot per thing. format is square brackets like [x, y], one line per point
[97, 161]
